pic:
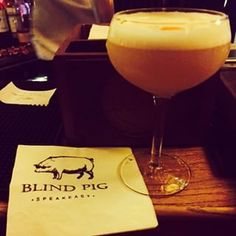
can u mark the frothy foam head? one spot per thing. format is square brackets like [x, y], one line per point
[169, 30]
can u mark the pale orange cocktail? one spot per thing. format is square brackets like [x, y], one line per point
[176, 54]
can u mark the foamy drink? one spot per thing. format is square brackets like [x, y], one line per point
[168, 51]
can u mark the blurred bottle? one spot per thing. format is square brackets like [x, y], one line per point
[25, 13]
[5, 33]
[23, 31]
[14, 17]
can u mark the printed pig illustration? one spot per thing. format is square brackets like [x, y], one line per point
[59, 165]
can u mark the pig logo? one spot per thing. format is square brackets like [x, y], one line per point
[59, 165]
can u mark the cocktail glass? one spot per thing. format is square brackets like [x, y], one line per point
[165, 51]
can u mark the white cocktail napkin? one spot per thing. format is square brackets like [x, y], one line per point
[11, 94]
[67, 191]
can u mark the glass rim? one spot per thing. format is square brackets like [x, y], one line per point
[223, 16]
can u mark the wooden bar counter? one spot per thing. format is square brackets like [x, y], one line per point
[206, 206]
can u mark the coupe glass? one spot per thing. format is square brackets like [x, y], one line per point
[165, 51]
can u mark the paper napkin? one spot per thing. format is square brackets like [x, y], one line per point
[74, 191]
[98, 32]
[11, 94]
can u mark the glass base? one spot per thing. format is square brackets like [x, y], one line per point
[170, 177]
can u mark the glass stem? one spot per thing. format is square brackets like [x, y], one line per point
[160, 110]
